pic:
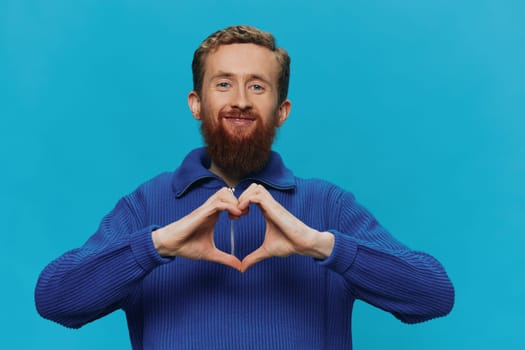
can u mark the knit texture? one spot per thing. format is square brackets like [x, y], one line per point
[280, 303]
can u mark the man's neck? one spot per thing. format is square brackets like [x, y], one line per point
[231, 181]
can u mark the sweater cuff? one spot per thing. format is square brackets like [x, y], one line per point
[343, 254]
[145, 253]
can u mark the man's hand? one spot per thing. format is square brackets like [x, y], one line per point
[285, 234]
[192, 236]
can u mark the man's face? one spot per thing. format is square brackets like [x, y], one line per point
[238, 107]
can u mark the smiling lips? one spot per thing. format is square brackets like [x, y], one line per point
[239, 120]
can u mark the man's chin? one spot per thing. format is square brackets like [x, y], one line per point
[240, 134]
[239, 131]
[238, 149]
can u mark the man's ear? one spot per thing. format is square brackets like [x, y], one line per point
[194, 102]
[284, 111]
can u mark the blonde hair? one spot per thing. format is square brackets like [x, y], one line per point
[241, 34]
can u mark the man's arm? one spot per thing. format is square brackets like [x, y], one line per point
[412, 285]
[87, 283]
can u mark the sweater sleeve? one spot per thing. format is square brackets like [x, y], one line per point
[378, 269]
[87, 283]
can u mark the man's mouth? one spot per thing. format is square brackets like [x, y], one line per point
[239, 120]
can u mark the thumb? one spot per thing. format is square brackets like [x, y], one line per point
[225, 259]
[254, 257]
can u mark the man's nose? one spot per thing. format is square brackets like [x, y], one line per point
[241, 99]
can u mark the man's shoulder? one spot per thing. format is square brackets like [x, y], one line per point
[314, 183]
[322, 187]
[159, 185]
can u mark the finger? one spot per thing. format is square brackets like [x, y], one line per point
[225, 259]
[254, 257]
[243, 212]
[224, 200]
[253, 188]
[233, 204]
[255, 193]
[233, 217]
[227, 193]
[271, 209]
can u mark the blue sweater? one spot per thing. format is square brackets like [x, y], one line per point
[280, 303]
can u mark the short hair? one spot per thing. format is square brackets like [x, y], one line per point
[241, 34]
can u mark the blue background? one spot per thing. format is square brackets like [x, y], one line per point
[417, 107]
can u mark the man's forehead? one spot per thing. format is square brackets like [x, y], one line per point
[242, 59]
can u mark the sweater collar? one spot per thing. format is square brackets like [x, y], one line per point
[194, 168]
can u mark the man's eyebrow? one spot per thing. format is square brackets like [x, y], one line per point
[223, 74]
[260, 77]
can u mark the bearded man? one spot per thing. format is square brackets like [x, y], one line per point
[165, 254]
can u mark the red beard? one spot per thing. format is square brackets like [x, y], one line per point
[242, 152]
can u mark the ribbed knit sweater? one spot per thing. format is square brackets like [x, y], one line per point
[280, 303]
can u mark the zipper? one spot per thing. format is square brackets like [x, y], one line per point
[232, 232]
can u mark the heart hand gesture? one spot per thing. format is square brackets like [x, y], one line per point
[192, 236]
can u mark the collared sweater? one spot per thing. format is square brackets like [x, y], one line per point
[296, 302]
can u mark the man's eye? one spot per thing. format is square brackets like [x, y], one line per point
[223, 85]
[257, 87]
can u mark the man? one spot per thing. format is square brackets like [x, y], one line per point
[169, 254]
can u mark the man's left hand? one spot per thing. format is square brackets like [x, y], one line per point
[285, 234]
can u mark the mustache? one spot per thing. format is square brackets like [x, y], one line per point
[239, 114]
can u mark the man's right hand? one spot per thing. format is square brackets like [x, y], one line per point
[191, 237]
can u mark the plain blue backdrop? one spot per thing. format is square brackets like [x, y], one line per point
[417, 107]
